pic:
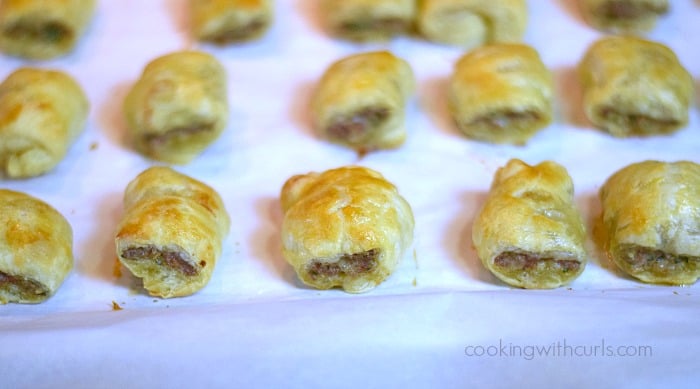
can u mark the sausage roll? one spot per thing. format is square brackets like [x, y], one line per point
[41, 114]
[651, 221]
[501, 93]
[634, 87]
[624, 16]
[229, 21]
[42, 29]
[360, 101]
[172, 232]
[471, 23]
[367, 20]
[346, 227]
[178, 107]
[36, 248]
[529, 234]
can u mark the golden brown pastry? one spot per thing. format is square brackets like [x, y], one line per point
[178, 107]
[346, 227]
[471, 23]
[529, 233]
[172, 232]
[229, 21]
[651, 221]
[41, 114]
[36, 248]
[360, 101]
[42, 29]
[501, 93]
[625, 16]
[634, 87]
[368, 20]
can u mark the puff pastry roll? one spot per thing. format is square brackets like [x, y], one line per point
[634, 87]
[41, 114]
[345, 227]
[529, 234]
[229, 21]
[360, 101]
[172, 232]
[42, 29]
[625, 16]
[651, 221]
[368, 20]
[36, 248]
[471, 23]
[178, 107]
[501, 93]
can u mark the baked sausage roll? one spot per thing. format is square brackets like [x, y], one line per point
[501, 93]
[41, 114]
[42, 29]
[368, 20]
[624, 16]
[529, 234]
[651, 221]
[172, 232]
[346, 227]
[36, 248]
[230, 21]
[178, 107]
[634, 87]
[360, 101]
[471, 23]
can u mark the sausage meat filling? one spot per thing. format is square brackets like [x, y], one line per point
[504, 120]
[49, 32]
[619, 9]
[175, 259]
[24, 288]
[515, 261]
[356, 126]
[348, 265]
[644, 259]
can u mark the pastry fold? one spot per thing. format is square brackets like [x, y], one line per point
[42, 29]
[651, 221]
[471, 23]
[345, 227]
[369, 20]
[529, 233]
[501, 93]
[360, 101]
[634, 87]
[178, 107]
[172, 232]
[36, 248]
[230, 21]
[623, 16]
[41, 114]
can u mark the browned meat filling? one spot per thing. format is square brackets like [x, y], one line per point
[631, 9]
[24, 288]
[389, 26]
[637, 122]
[347, 265]
[524, 261]
[177, 260]
[50, 32]
[354, 127]
[643, 259]
[503, 120]
[241, 33]
[175, 135]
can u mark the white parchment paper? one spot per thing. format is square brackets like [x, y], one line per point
[255, 324]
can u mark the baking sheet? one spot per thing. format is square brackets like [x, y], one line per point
[255, 324]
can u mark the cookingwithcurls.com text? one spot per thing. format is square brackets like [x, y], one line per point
[558, 349]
